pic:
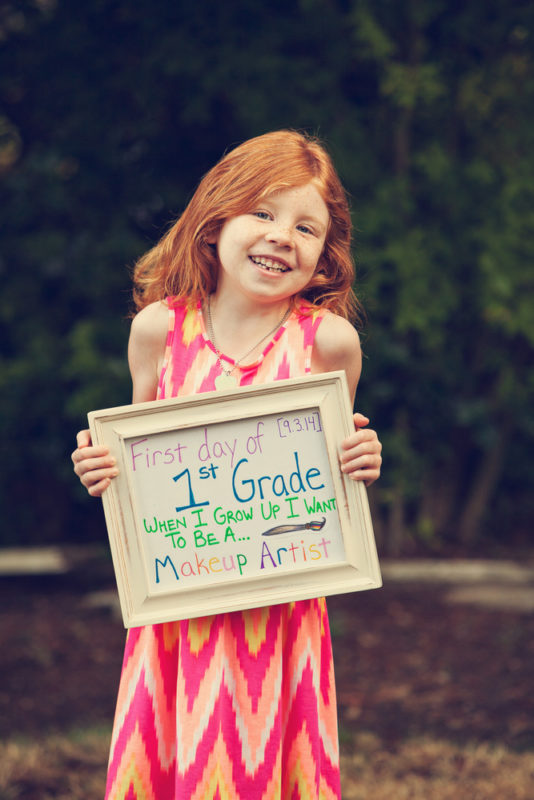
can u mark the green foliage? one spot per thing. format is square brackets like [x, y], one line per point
[112, 110]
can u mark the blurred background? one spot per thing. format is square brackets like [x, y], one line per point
[112, 110]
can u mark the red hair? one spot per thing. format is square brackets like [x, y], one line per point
[185, 265]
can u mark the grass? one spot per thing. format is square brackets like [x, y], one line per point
[73, 768]
[429, 769]
[56, 767]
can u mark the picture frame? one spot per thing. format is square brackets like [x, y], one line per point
[234, 499]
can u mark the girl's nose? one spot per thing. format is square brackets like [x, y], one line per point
[280, 235]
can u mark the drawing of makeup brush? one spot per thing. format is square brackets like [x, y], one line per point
[315, 525]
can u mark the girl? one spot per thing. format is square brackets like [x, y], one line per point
[251, 284]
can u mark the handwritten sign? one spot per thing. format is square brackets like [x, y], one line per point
[225, 501]
[234, 499]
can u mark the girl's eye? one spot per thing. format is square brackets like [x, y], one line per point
[261, 214]
[304, 229]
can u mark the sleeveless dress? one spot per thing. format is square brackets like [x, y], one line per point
[236, 706]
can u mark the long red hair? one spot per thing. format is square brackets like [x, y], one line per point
[185, 265]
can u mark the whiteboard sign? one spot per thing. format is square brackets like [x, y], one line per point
[231, 500]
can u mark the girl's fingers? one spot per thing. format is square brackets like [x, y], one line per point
[83, 438]
[363, 441]
[365, 468]
[91, 458]
[359, 435]
[368, 461]
[88, 466]
[360, 457]
[93, 465]
[85, 454]
[93, 451]
[94, 476]
[369, 476]
[98, 489]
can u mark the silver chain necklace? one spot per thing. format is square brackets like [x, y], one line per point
[226, 379]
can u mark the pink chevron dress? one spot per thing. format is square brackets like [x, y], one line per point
[237, 706]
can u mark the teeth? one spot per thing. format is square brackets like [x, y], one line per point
[273, 266]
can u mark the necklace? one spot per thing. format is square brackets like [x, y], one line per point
[226, 379]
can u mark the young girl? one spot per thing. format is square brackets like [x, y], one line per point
[251, 284]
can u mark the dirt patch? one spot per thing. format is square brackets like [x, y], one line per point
[60, 662]
[408, 665]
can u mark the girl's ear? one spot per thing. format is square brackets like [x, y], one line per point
[322, 266]
[210, 233]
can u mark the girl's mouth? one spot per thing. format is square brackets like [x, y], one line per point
[269, 264]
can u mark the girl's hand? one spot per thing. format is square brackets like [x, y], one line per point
[360, 453]
[93, 465]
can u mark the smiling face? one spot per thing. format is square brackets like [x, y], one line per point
[270, 253]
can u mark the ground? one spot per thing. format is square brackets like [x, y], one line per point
[414, 673]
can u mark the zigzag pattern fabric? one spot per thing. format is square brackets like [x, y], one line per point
[237, 706]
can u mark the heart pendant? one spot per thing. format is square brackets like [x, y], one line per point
[224, 381]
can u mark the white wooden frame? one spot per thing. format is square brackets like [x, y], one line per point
[141, 602]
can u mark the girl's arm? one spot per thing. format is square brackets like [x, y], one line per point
[94, 465]
[337, 346]
[146, 350]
